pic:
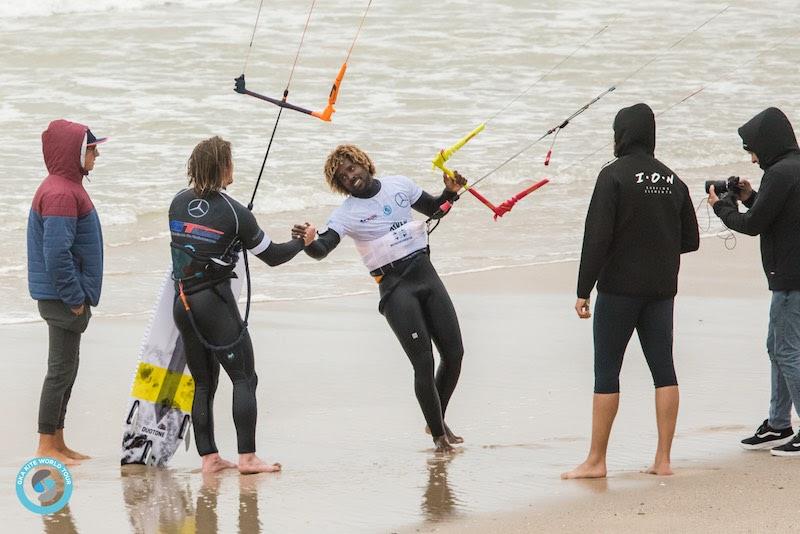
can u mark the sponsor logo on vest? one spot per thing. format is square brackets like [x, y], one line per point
[402, 200]
[198, 208]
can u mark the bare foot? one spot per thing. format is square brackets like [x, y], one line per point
[69, 453]
[442, 446]
[57, 455]
[451, 437]
[214, 463]
[586, 470]
[58, 443]
[661, 470]
[250, 464]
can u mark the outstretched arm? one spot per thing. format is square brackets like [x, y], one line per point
[323, 245]
[278, 253]
[257, 242]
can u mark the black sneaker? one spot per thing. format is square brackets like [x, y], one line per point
[767, 437]
[789, 449]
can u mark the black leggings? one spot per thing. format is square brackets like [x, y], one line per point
[218, 319]
[615, 318]
[419, 310]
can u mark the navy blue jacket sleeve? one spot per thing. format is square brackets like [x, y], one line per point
[58, 237]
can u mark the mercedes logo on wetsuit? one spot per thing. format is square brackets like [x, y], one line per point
[198, 208]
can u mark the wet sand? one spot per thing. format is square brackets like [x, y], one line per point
[336, 408]
[744, 492]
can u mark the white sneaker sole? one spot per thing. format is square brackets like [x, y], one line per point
[776, 452]
[767, 444]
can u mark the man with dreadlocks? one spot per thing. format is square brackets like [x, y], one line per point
[394, 247]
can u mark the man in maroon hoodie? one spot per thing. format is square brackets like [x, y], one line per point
[65, 270]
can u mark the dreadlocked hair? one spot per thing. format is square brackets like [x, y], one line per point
[209, 164]
[341, 154]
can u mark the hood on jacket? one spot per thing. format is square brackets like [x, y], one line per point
[62, 147]
[770, 136]
[634, 130]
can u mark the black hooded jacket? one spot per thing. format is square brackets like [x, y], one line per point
[774, 212]
[640, 219]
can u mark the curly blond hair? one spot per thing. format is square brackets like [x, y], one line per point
[209, 164]
[339, 155]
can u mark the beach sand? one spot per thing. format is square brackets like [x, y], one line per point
[742, 492]
[336, 408]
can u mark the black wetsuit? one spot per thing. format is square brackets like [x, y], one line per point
[209, 228]
[640, 221]
[419, 310]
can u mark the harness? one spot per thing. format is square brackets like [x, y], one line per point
[188, 265]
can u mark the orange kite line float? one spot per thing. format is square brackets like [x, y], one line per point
[325, 114]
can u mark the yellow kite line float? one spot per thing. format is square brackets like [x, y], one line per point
[505, 207]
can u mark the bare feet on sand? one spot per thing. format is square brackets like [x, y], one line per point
[586, 470]
[451, 437]
[250, 464]
[442, 446]
[58, 440]
[56, 454]
[661, 470]
[214, 463]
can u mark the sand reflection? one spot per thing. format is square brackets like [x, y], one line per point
[157, 500]
[163, 501]
[60, 522]
[439, 502]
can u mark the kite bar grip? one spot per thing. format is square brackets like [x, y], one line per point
[547, 158]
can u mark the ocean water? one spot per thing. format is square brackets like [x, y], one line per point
[157, 76]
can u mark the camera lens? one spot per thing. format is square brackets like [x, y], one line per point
[720, 186]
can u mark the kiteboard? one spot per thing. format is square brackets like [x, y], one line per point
[158, 416]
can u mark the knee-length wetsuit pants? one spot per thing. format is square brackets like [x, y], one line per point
[615, 319]
[218, 320]
[419, 311]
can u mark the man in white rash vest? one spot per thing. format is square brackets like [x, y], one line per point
[394, 248]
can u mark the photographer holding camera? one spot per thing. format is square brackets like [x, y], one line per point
[774, 214]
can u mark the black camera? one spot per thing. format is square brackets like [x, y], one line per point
[724, 187]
